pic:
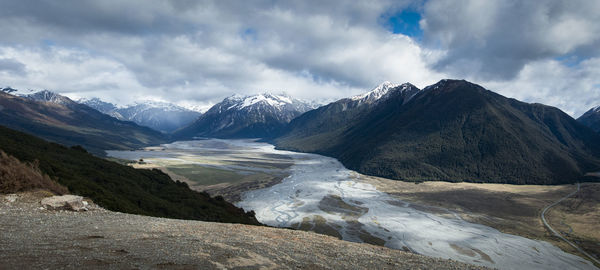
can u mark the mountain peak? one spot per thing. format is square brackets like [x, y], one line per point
[158, 115]
[451, 84]
[591, 118]
[8, 90]
[376, 93]
[277, 101]
[49, 96]
[261, 115]
[386, 90]
[154, 104]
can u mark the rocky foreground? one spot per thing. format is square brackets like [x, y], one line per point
[33, 237]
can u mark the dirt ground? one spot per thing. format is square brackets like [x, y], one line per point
[35, 238]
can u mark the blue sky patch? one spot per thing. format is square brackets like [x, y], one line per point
[569, 60]
[48, 42]
[405, 22]
[249, 34]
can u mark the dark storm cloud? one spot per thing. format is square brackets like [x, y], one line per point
[79, 17]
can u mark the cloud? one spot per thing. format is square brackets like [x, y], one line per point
[70, 72]
[574, 89]
[12, 67]
[198, 52]
[496, 39]
[203, 51]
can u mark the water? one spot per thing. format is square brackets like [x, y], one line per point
[357, 211]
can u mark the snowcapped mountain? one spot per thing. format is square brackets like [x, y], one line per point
[8, 90]
[384, 91]
[256, 116]
[375, 94]
[103, 107]
[49, 96]
[591, 118]
[59, 119]
[161, 116]
[284, 107]
[317, 128]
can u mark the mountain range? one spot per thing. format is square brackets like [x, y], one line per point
[591, 118]
[453, 130]
[161, 116]
[257, 116]
[59, 119]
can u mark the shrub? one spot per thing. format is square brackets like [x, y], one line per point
[16, 176]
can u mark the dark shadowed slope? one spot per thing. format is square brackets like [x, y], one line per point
[57, 118]
[319, 129]
[591, 119]
[457, 131]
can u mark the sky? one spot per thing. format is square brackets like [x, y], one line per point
[199, 52]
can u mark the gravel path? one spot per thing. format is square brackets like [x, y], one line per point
[34, 238]
[543, 216]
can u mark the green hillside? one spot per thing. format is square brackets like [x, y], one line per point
[118, 187]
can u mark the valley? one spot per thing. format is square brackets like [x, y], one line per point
[413, 134]
[473, 223]
[219, 167]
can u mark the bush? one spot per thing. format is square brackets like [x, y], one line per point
[16, 176]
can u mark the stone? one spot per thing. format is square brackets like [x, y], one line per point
[11, 198]
[65, 202]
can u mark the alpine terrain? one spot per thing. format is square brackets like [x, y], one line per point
[453, 130]
[161, 116]
[257, 116]
[59, 119]
[591, 119]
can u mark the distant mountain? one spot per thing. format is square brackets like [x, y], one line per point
[8, 90]
[103, 107]
[48, 96]
[257, 116]
[452, 131]
[591, 119]
[59, 119]
[318, 129]
[161, 116]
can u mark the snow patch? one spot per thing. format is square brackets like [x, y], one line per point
[377, 92]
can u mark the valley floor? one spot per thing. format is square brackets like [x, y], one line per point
[513, 209]
[440, 219]
[35, 238]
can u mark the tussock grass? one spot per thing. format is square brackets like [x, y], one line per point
[16, 176]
